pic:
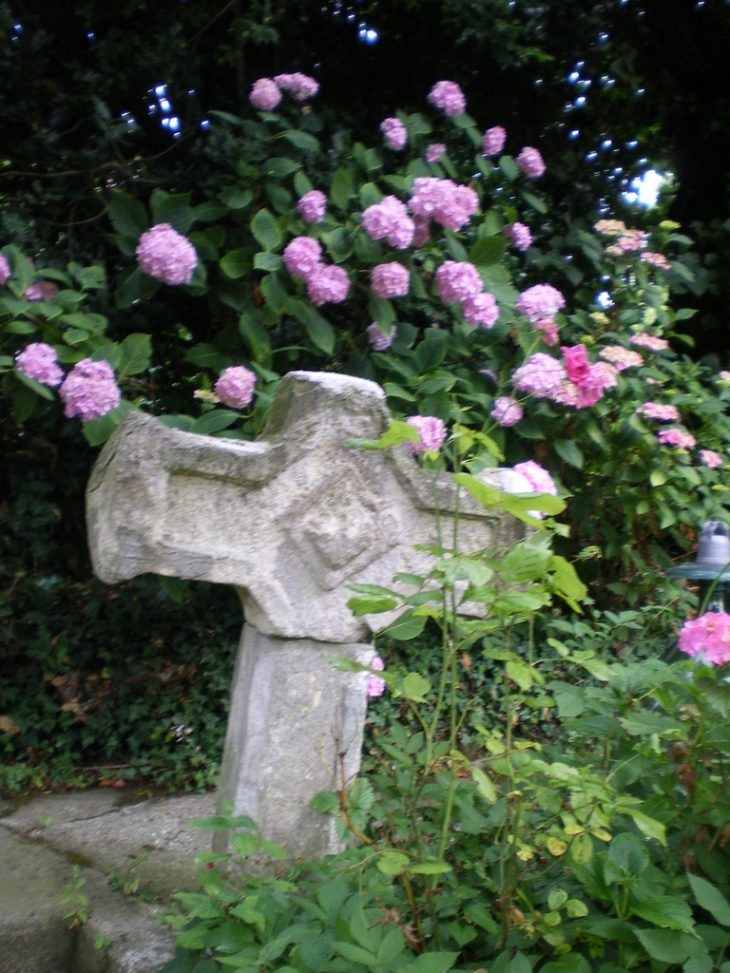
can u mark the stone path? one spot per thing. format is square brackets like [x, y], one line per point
[102, 831]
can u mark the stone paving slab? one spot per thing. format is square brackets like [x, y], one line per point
[103, 832]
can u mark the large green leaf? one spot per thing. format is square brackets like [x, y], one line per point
[342, 189]
[407, 626]
[666, 911]
[174, 209]
[128, 216]
[266, 230]
[136, 351]
[487, 250]
[710, 899]
[669, 946]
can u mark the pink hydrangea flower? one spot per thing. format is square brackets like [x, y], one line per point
[530, 161]
[577, 363]
[390, 280]
[644, 340]
[302, 255]
[507, 411]
[656, 260]
[724, 376]
[707, 635]
[298, 86]
[538, 478]
[540, 301]
[328, 285]
[389, 218]
[493, 140]
[519, 234]
[567, 393]
[434, 151]
[481, 309]
[610, 227]
[442, 200]
[312, 206]
[655, 410]
[42, 290]
[458, 280]
[431, 430]
[629, 241]
[376, 684]
[39, 361]
[265, 94]
[448, 97]
[677, 437]
[89, 390]
[235, 386]
[549, 331]
[167, 255]
[620, 357]
[378, 339]
[395, 133]
[5, 272]
[539, 374]
[606, 374]
[710, 458]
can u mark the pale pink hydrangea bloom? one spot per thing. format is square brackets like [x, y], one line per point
[390, 280]
[481, 309]
[389, 219]
[235, 386]
[442, 200]
[605, 373]
[507, 411]
[724, 376]
[549, 331]
[395, 133]
[540, 301]
[458, 280]
[566, 393]
[298, 86]
[42, 290]
[312, 206]
[302, 255]
[540, 374]
[423, 231]
[328, 284]
[379, 339]
[434, 151]
[89, 390]
[621, 357]
[707, 635]
[39, 361]
[656, 260]
[610, 227]
[166, 255]
[677, 437]
[531, 162]
[644, 340]
[538, 478]
[519, 234]
[5, 272]
[710, 458]
[655, 410]
[376, 684]
[448, 97]
[493, 140]
[431, 430]
[265, 94]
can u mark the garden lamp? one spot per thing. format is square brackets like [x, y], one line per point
[711, 567]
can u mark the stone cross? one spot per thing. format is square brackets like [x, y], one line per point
[289, 520]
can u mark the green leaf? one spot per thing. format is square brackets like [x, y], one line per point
[532, 200]
[302, 185]
[42, 390]
[342, 189]
[666, 911]
[488, 250]
[235, 264]
[235, 197]
[128, 216]
[266, 230]
[356, 954]
[20, 327]
[484, 785]
[133, 287]
[406, 627]
[266, 261]
[174, 588]
[381, 311]
[569, 451]
[214, 421]
[97, 431]
[392, 862]
[431, 868]
[669, 946]
[199, 906]
[629, 854]
[509, 168]
[274, 292]
[710, 899]
[279, 167]
[415, 686]
[255, 336]
[365, 605]
[568, 698]
[430, 963]
[326, 802]
[302, 140]
[208, 212]
[320, 331]
[174, 209]
[136, 351]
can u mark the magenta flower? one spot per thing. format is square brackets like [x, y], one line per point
[434, 151]
[530, 161]
[298, 86]
[431, 430]
[677, 437]
[644, 340]
[507, 411]
[376, 684]
[328, 285]
[707, 635]
[378, 339]
[621, 357]
[458, 280]
[39, 361]
[493, 140]
[235, 386]
[448, 97]
[89, 390]
[312, 206]
[167, 255]
[390, 280]
[302, 255]
[710, 458]
[655, 410]
[481, 309]
[5, 272]
[577, 364]
[395, 133]
[42, 290]
[540, 301]
[389, 218]
[265, 94]
[519, 234]
[539, 374]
